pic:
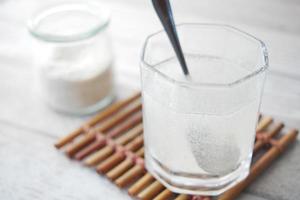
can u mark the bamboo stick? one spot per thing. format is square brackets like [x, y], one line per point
[98, 144]
[108, 150]
[115, 159]
[121, 103]
[126, 125]
[263, 123]
[129, 135]
[140, 152]
[260, 165]
[151, 191]
[99, 156]
[130, 176]
[120, 169]
[99, 117]
[183, 197]
[132, 173]
[120, 116]
[141, 184]
[166, 194]
[110, 162]
[106, 125]
[135, 144]
[259, 143]
[87, 139]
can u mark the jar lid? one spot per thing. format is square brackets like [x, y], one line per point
[69, 22]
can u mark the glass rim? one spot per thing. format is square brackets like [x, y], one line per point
[37, 17]
[260, 69]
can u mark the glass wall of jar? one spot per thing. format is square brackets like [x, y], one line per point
[73, 56]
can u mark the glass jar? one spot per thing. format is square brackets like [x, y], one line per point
[73, 56]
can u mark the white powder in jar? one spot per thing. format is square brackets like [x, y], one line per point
[77, 77]
[73, 56]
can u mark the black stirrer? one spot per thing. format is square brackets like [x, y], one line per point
[164, 12]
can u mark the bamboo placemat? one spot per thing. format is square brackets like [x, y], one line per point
[112, 143]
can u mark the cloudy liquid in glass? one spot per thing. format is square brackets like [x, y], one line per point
[203, 144]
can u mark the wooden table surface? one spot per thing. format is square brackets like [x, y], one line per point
[30, 167]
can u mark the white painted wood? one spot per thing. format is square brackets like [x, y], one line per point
[281, 180]
[32, 169]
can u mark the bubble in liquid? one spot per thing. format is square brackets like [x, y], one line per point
[215, 155]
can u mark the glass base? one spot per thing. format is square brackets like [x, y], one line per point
[86, 110]
[195, 185]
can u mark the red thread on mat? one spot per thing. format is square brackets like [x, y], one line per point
[266, 138]
[129, 154]
[200, 198]
[134, 158]
[100, 138]
[276, 144]
[263, 136]
[111, 143]
[140, 161]
[108, 140]
[109, 135]
[120, 149]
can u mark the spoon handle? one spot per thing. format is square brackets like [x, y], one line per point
[164, 12]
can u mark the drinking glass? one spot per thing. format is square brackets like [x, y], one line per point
[200, 129]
